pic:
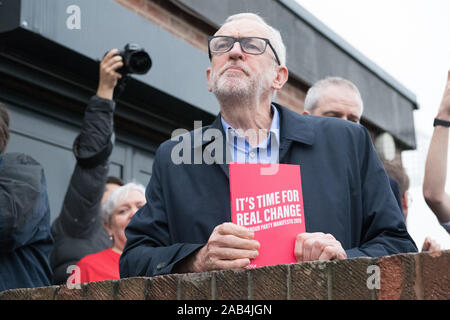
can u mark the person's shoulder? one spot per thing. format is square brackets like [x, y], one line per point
[322, 125]
[334, 123]
[94, 257]
[17, 158]
[21, 167]
[188, 138]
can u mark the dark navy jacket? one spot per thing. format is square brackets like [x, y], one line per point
[78, 230]
[25, 238]
[346, 192]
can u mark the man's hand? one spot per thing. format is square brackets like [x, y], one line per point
[108, 75]
[317, 246]
[229, 247]
[430, 245]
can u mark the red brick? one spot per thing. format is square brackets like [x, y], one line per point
[269, 283]
[101, 290]
[136, 3]
[349, 279]
[231, 284]
[16, 294]
[436, 275]
[133, 288]
[44, 293]
[64, 293]
[397, 277]
[157, 13]
[163, 287]
[195, 286]
[309, 280]
[405, 276]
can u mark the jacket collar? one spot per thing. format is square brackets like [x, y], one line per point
[293, 126]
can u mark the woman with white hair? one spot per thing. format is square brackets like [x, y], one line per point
[117, 212]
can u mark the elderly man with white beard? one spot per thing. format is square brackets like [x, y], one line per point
[185, 225]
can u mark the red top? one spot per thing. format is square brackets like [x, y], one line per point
[103, 265]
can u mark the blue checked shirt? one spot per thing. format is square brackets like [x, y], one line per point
[265, 152]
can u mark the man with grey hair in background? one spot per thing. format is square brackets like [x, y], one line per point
[340, 98]
[185, 224]
[334, 97]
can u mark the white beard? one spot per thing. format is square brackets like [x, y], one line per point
[229, 88]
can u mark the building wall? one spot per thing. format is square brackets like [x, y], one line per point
[420, 276]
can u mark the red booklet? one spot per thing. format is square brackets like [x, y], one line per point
[267, 199]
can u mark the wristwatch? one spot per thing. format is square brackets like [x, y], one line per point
[439, 122]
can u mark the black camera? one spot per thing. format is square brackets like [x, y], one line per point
[135, 60]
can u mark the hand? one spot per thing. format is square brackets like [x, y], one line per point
[430, 245]
[317, 246]
[229, 247]
[108, 75]
[444, 109]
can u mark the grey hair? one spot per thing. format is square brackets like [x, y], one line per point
[274, 35]
[118, 195]
[314, 93]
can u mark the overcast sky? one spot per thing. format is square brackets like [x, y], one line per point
[410, 40]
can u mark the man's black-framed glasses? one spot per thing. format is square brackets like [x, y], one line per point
[250, 45]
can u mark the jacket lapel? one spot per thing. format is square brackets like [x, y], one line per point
[293, 127]
[222, 162]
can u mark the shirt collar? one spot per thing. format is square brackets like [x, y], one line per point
[274, 127]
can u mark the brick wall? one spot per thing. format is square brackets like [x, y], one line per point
[194, 31]
[404, 276]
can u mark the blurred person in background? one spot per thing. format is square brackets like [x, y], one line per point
[25, 237]
[340, 98]
[400, 185]
[79, 230]
[334, 97]
[436, 164]
[117, 212]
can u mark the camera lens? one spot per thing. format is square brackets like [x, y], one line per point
[140, 62]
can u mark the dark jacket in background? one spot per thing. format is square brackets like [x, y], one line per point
[346, 193]
[78, 230]
[396, 190]
[25, 238]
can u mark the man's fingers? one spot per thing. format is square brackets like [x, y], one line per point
[328, 253]
[113, 60]
[114, 67]
[301, 244]
[234, 254]
[231, 241]
[234, 229]
[110, 54]
[317, 246]
[231, 264]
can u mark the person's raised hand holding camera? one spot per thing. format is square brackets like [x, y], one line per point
[109, 76]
